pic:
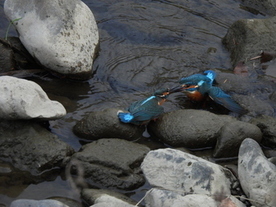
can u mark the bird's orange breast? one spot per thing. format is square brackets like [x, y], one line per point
[195, 96]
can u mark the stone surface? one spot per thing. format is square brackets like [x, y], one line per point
[267, 124]
[106, 124]
[31, 148]
[165, 198]
[247, 37]
[61, 35]
[187, 128]
[101, 196]
[23, 99]
[256, 174]
[263, 6]
[112, 163]
[37, 203]
[232, 135]
[185, 173]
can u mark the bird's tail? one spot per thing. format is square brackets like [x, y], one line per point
[125, 117]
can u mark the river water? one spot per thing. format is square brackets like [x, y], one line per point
[144, 45]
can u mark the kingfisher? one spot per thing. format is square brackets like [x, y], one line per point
[198, 86]
[141, 112]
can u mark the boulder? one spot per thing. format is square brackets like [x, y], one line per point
[232, 135]
[267, 124]
[185, 173]
[30, 148]
[188, 128]
[257, 175]
[100, 197]
[247, 37]
[106, 124]
[62, 36]
[263, 6]
[111, 163]
[165, 198]
[23, 99]
[36, 203]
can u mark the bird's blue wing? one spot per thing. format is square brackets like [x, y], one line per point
[194, 79]
[220, 97]
[211, 74]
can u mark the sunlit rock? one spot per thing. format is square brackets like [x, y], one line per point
[112, 163]
[101, 197]
[36, 203]
[61, 35]
[185, 173]
[257, 175]
[23, 99]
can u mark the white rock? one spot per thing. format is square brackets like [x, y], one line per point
[23, 99]
[256, 174]
[61, 35]
[110, 201]
[184, 173]
[165, 198]
[37, 203]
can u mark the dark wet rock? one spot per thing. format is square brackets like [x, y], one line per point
[68, 30]
[106, 198]
[231, 136]
[6, 58]
[256, 174]
[35, 203]
[111, 163]
[105, 124]
[188, 128]
[182, 172]
[246, 38]
[30, 148]
[262, 6]
[267, 124]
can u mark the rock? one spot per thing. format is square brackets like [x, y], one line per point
[23, 99]
[112, 163]
[104, 198]
[232, 135]
[246, 38]
[187, 128]
[31, 148]
[165, 198]
[263, 6]
[256, 174]
[106, 124]
[7, 56]
[267, 124]
[36, 203]
[62, 36]
[185, 173]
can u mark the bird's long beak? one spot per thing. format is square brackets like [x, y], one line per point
[178, 88]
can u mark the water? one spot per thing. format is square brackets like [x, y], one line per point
[144, 45]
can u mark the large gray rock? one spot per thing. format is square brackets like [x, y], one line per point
[165, 198]
[106, 124]
[232, 135]
[267, 124]
[246, 38]
[61, 35]
[188, 128]
[256, 174]
[36, 203]
[31, 148]
[185, 173]
[112, 163]
[23, 99]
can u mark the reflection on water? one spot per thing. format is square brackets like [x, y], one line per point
[144, 45]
